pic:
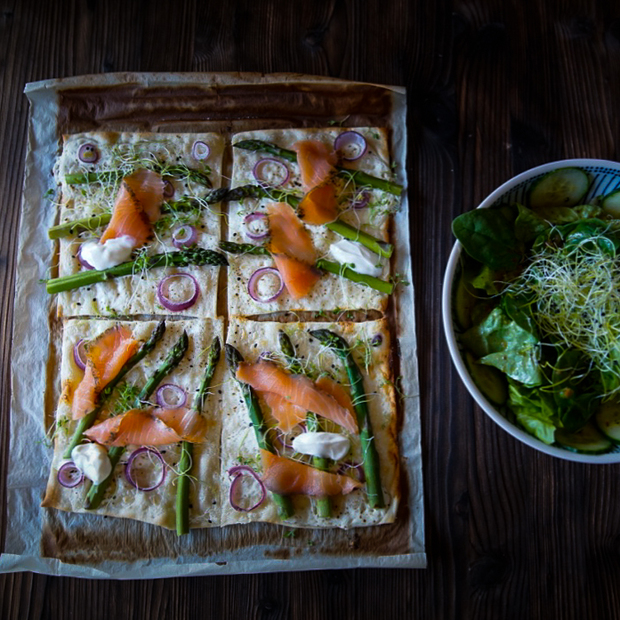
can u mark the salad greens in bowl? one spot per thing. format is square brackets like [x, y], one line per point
[531, 308]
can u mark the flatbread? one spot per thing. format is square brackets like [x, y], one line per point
[331, 291]
[239, 445]
[124, 152]
[121, 499]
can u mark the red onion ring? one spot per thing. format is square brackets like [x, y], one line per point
[255, 217]
[238, 472]
[69, 475]
[177, 306]
[262, 174]
[184, 236]
[79, 354]
[88, 153]
[361, 200]
[200, 150]
[358, 471]
[256, 277]
[351, 145]
[167, 393]
[168, 188]
[82, 260]
[129, 468]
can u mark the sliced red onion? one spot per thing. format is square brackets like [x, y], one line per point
[271, 172]
[189, 299]
[82, 260]
[253, 218]
[69, 475]
[88, 153]
[361, 199]
[238, 472]
[200, 150]
[376, 340]
[351, 145]
[132, 471]
[286, 439]
[170, 396]
[79, 354]
[184, 236]
[168, 188]
[255, 279]
[351, 468]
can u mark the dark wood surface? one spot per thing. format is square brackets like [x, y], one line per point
[494, 87]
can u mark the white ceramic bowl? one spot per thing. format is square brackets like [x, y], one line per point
[606, 178]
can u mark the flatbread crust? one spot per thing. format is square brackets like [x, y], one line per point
[121, 499]
[331, 291]
[239, 444]
[137, 294]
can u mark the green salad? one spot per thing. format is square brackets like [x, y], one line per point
[537, 308]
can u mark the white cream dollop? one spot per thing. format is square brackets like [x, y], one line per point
[362, 259]
[93, 461]
[109, 254]
[322, 444]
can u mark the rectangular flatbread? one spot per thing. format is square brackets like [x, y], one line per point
[370, 342]
[191, 166]
[361, 207]
[122, 499]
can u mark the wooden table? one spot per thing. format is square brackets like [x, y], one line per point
[494, 88]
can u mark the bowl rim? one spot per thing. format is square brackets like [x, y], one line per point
[450, 335]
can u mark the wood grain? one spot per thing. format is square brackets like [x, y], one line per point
[494, 88]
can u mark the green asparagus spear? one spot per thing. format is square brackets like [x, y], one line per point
[369, 451]
[383, 248]
[361, 178]
[183, 258]
[187, 448]
[112, 176]
[323, 504]
[336, 268]
[89, 419]
[74, 227]
[97, 491]
[233, 359]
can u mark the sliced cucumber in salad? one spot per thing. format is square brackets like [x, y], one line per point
[564, 187]
[608, 420]
[611, 203]
[588, 440]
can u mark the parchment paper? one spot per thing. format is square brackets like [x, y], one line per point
[52, 542]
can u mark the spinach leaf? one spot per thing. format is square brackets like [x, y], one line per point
[499, 341]
[489, 236]
[528, 225]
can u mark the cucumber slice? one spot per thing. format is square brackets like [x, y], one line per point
[608, 420]
[611, 203]
[565, 187]
[489, 380]
[588, 440]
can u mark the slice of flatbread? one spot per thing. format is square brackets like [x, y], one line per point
[331, 291]
[187, 204]
[122, 499]
[371, 350]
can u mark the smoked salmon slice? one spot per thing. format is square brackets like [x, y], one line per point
[335, 389]
[298, 277]
[297, 389]
[319, 205]
[287, 477]
[288, 234]
[150, 427]
[137, 206]
[285, 412]
[316, 162]
[105, 356]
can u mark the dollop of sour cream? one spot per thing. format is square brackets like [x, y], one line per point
[362, 259]
[93, 461]
[322, 444]
[109, 254]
